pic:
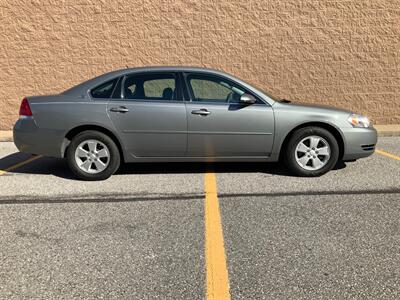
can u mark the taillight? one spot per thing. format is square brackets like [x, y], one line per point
[24, 109]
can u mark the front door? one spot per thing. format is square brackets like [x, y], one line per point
[150, 116]
[220, 126]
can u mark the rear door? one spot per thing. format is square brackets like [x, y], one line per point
[220, 126]
[149, 115]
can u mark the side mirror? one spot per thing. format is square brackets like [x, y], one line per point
[247, 99]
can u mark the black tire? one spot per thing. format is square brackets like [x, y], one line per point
[113, 160]
[297, 137]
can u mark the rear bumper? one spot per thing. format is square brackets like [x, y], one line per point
[359, 142]
[29, 138]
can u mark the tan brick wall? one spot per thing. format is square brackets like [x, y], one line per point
[339, 52]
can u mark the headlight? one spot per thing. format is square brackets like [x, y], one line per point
[359, 121]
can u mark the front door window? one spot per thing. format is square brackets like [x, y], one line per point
[214, 89]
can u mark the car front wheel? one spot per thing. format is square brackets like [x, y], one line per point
[92, 155]
[312, 151]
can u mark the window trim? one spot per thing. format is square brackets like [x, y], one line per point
[178, 85]
[184, 89]
[120, 78]
[205, 74]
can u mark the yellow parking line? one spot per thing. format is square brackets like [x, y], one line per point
[20, 164]
[217, 273]
[384, 153]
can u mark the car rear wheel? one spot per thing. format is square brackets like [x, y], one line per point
[312, 151]
[92, 155]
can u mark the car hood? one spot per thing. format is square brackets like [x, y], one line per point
[310, 107]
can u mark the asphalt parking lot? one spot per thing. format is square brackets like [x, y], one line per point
[142, 234]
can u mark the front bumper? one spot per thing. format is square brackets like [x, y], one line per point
[359, 142]
[29, 138]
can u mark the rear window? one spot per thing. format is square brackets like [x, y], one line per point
[104, 90]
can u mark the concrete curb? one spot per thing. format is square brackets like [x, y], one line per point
[6, 136]
[383, 130]
[388, 130]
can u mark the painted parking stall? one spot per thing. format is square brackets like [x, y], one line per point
[180, 231]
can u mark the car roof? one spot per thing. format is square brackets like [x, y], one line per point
[166, 69]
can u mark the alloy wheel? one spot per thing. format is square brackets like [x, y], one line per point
[92, 156]
[312, 153]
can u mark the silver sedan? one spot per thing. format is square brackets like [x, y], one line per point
[175, 114]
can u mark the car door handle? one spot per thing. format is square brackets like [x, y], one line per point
[202, 112]
[121, 109]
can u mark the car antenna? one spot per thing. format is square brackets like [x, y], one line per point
[127, 66]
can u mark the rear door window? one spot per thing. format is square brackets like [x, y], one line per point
[155, 88]
[159, 87]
